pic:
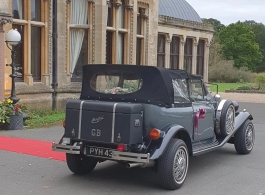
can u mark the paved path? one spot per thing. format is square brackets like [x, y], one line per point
[244, 97]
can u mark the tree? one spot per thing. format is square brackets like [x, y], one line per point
[216, 24]
[238, 43]
[259, 31]
[215, 55]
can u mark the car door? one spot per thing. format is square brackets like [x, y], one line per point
[203, 112]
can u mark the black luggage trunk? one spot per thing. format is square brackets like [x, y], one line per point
[106, 122]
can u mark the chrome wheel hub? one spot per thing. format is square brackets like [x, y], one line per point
[180, 164]
[230, 118]
[249, 137]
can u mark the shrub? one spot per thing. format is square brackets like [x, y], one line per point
[227, 73]
[244, 88]
[260, 80]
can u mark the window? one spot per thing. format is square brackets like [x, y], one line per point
[139, 51]
[200, 57]
[161, 50]
[180, 91]
[109, 13]
[34, 20]
[121, 14]
[35, 10]
[19, 53]
[17, 9]
[120, 52]
[174, 52]
[139, 21]
[115, 45]
[116, 82]
[36, 53]
[188, 55]
[109, 48]
[79, 32]
[140, 36]
[196, 90]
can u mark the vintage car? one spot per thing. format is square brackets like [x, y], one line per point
[146, 116]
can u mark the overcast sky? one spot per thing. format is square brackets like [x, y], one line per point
[230, 11]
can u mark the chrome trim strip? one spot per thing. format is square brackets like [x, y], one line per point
[80, 119]
[113, 122]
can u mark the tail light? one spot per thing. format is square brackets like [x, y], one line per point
[64, 123]
[155, 134]
[122, 147]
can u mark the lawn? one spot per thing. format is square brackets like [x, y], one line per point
[45, 118]
[226, 86]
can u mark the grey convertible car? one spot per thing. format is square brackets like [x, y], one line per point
[145, 116]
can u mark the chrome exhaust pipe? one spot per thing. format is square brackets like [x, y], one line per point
[142, 165]
[132, 165]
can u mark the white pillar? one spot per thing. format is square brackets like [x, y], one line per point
[167, 51]
[206, 61]
[194, 55]
[181, 52]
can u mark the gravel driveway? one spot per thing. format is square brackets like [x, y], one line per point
[243, 97]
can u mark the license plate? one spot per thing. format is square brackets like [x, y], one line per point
[100, 152]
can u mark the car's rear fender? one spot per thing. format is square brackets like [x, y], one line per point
[175, 131]
[241, 117]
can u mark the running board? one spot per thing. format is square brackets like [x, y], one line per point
[198, 150]
[201, 146]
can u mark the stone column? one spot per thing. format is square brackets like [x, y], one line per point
[181, 52]
[100, 32]
[194, 55]
[167, 51]
[4, 19]
[206, 61]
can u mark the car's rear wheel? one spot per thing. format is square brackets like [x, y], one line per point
[244, 138]
[227, 118]
[173, 165]
[80, 165]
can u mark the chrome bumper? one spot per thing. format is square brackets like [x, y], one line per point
[66, 148]
[116, 155]
[129, 156]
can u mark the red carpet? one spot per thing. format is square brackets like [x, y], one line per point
[31, 147]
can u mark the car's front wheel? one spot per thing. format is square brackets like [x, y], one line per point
[244, 138]
[80, 165]
[173, 165]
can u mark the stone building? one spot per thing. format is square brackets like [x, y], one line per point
[59, 36]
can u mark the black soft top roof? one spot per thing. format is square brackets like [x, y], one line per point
[157, 86]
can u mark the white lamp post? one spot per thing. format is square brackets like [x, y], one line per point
[13, 38]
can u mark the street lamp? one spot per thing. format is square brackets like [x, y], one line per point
[12, 39]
